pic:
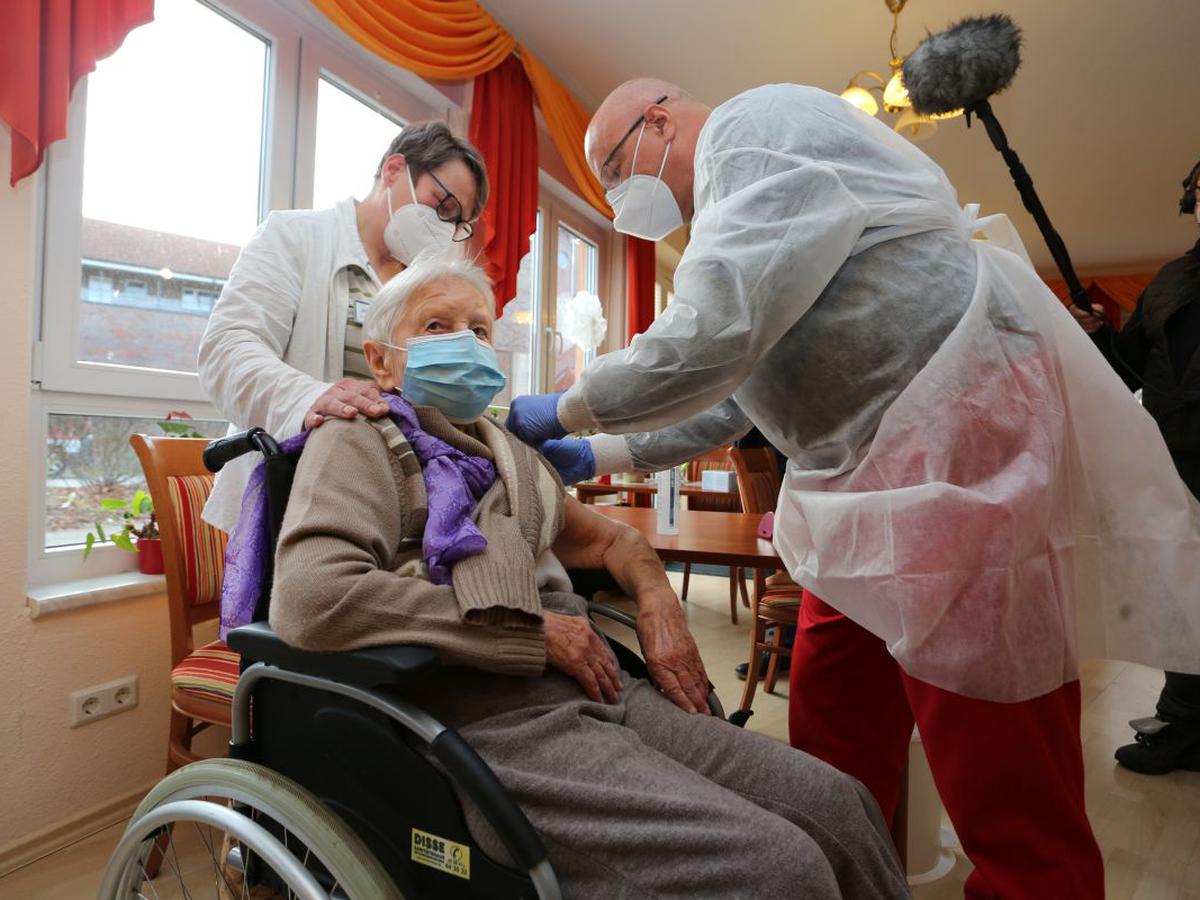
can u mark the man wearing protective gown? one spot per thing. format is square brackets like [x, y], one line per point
[970, 490]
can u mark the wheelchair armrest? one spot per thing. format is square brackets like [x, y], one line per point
[366, 668]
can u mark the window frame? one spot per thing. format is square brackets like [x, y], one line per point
[302, 47]
[560, 206]
[63, 385]
[364, 82]
[62, 257]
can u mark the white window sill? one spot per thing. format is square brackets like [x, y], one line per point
[68, 595]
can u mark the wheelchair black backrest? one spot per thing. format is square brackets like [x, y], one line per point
[280, 469]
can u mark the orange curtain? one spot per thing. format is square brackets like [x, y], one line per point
[447, 40]
[46, 46]
[455, 40]
[566, 121]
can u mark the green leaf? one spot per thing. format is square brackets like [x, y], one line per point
[100, 532]
[142, 504]
[87, 547]
[174, 427]
[113, 503]
[123, 541]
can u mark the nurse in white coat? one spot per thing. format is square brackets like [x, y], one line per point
[283, 347]
[965, 473]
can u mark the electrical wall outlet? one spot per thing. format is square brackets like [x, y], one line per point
[103, 700]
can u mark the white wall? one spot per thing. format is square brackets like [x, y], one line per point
[50, 772]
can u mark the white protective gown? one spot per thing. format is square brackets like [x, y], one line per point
[967, 477]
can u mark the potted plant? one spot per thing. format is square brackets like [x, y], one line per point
[179, 424]
[138, 532]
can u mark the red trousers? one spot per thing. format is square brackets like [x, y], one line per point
[1010, 774]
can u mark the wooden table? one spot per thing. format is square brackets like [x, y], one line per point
[588, 491]
[714, 538]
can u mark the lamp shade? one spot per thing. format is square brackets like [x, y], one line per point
[895, 94]
[861, 97]
[915, 126]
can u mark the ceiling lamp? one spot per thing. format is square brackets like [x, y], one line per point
[892, 92]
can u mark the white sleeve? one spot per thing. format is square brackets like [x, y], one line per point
[241, 363]
[776, 230]
[654, 451]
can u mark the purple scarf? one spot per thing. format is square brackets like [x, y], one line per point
[454, 483]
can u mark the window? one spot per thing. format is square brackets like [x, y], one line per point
[567, 254]
[351, 140]
[98, 289]
[158, 207]
[89, 459]
[516, 327]
[178, 145]
[197, 300]
[576, 267]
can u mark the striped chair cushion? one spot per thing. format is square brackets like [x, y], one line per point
[203, 547]
[211, 671]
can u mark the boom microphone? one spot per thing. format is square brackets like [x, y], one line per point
[960, 68]
[963, 65]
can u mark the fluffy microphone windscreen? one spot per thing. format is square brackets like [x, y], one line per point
[963, 65]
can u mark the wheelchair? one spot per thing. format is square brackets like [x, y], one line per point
[336, 787]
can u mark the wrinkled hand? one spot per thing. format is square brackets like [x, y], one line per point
[1091, 322]
[574, 648]
[573, 459]
[345, 399]
[672, 656]
[534, 418]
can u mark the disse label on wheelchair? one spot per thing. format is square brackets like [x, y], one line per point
[441, 854]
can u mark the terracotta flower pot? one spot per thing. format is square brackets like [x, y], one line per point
[149, 554]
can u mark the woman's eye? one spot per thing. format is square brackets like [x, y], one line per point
[481, 332]
[434, 326]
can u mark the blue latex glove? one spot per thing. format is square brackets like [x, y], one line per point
[572, 458]
[534, 418]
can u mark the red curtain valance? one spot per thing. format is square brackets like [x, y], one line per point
[46, 46]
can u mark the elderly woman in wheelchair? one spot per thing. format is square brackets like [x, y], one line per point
[436, 530]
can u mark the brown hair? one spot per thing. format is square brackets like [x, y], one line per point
[427, 145]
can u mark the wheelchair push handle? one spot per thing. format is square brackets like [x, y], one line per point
[226, 449]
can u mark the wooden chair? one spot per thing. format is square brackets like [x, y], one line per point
[716, 460]
[772, 606]
[202, 678]
[777, 604]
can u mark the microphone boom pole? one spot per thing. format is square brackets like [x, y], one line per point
[960, 69]
[1033, 203]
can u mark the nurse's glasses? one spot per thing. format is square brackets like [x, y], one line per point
[449, 209]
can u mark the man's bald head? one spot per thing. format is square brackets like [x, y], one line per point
[622, 106]
[668, 112]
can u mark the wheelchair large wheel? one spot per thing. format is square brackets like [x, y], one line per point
[233, 830]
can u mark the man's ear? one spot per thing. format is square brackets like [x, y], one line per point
[393, 168]
[659, 118]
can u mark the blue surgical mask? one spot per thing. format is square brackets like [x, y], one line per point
[456, 373]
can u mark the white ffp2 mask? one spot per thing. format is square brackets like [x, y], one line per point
[644, 205]
[414, 228]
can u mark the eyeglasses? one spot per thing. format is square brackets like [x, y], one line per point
[609, 177]
[449, 209]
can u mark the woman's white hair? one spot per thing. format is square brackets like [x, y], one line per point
[427, 270]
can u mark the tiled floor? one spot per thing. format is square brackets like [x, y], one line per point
[1148, 828]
